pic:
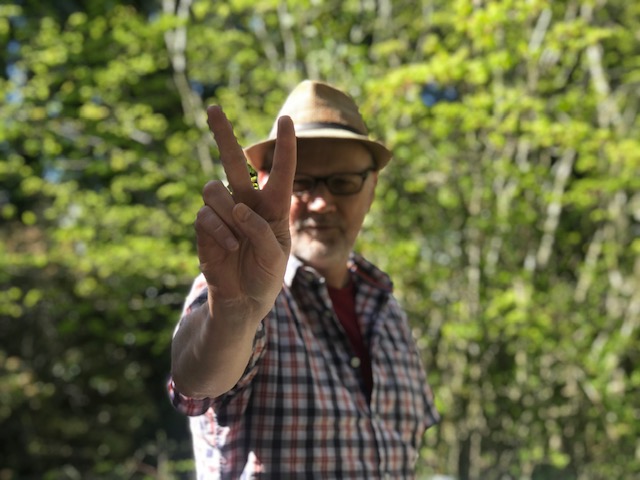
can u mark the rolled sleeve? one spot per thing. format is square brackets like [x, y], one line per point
[187, 405]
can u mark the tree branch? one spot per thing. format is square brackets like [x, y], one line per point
[555, 208]
[192, 105]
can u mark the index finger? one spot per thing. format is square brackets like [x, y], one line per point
[285, 157]
[231, 155]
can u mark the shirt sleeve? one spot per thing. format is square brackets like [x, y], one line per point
[187, 405]
[197, 406]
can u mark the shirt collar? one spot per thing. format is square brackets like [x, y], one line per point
[361, 270]
[292, 269]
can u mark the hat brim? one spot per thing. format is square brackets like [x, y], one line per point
[256, 153]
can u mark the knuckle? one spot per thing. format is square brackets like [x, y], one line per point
[202, 217]
[213, 187]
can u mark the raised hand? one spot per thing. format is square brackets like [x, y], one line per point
[243, 237]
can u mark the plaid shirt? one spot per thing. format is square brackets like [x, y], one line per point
[299, 410]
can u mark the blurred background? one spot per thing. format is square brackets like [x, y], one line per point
[509, 218]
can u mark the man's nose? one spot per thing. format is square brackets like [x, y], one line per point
[320, 198]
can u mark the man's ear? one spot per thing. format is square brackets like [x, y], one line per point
[374, 174]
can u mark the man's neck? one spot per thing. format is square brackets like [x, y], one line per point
[335, 275]
[337, 279]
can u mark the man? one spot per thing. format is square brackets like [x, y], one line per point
[292, 356]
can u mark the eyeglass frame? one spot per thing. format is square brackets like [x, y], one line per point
[326, 180]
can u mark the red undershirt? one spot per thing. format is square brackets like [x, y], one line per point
[344, 304]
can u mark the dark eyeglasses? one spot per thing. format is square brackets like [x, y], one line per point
[337, 184]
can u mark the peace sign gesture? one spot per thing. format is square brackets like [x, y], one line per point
[243, 236]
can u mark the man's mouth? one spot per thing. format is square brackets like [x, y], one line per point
[312, 225]
[317, 225]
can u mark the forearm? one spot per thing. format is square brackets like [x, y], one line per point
[211, 349]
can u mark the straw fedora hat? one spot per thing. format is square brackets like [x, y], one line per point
[319, 110]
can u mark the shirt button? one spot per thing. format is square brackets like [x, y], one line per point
[355, 362]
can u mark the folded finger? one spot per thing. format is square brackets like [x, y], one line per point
[259, 233]
[209, 225]
[217, 197]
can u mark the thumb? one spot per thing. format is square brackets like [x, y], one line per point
[258, 231]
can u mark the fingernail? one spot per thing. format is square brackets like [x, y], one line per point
[231, 243]
[242, 212]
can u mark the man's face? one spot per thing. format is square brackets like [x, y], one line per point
[324, 225]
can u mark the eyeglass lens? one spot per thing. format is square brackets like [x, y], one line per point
[337, 184]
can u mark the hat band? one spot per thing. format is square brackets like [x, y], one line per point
[319, 125]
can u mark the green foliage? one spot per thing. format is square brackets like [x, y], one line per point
[96, 253]
[508, 218]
